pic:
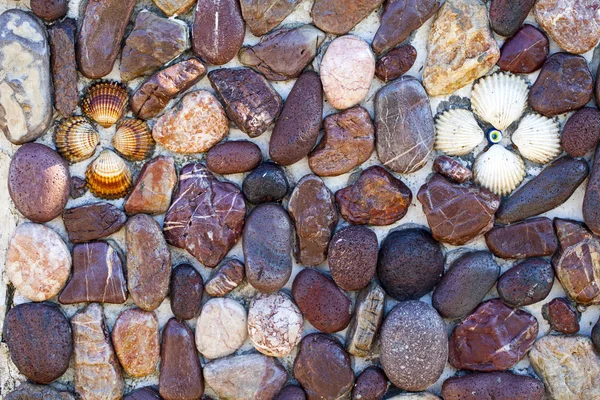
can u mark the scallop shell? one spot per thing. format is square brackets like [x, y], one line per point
[457, 132]
[133, 140]
[537, 138]
[76, 139]
[108, 176]
[105, 102]
[499, 99]
[499, 170]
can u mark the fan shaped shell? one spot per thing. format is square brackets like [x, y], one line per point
[76, 139]
[537, 138]
[457, 132]
[133, 140]
[499, 170]
[499, 99]
[105, 102]
[108, 176]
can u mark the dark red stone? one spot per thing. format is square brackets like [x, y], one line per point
[93, 221]
[145, 393]
[371, 384]
[507, 16]
[233, 157]
[340, 16]
[562, 316]
[78, 187]
[494, 385]
[353, 257]
[396, 63]
[61, 37]
[186, 291]
[531, 238]
[526, 283]
[525, 52]
[291, 392]
[50, 10]
[581, 132]
[452, 169]
[596, 335]
[591, 201]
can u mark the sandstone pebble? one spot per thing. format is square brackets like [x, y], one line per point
[152, 191]
[135, 337]
[221, 328]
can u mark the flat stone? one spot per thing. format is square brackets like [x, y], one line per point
[97, 276]
[148, 262]
[233, 157]
[546, 191]
[153, 42]
[414, 346]
[265, 183]
[461, 47]
[39, 340]
[506, 17]
[250, 101]
[493, 385]
[581, 132]
[206, 216]
[399, 19]
[50, 10]
[370, 384]
[526, 51]
[323, 367]
[530, 238]
[591, 214]
[396, 63]
[283, 54]
[155, 93]
[102, 30]
[135, 337]
[339, 17]
[322, 303]
[38, 262]
[264, 15]
[366, 320]
[30, 391]
[222, 328]
[493, 338]
[452, 169]
[562, 316]
[174, 7]
[78, 187]
[61, 37]
[348, 141]
[26, 84]
[93, 221]
[568, 366]
[218, 30]
[145, 393]
[526, 283]
[185, 291]
[445, 205]
[193, 125]
[97, 370]
[564, 84]
[353, 257]
[225, 278]
[312, 209]
[180, 370]
[153, 189]
[245, 377]
[291, 392]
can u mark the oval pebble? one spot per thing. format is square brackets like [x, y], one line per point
[265, 183]
[581, 132]
[353, 257]
[186, 291]
[526, 283]
[233, 157]
[221, 328]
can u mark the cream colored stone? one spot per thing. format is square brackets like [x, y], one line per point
[221, 328]
[174, 7]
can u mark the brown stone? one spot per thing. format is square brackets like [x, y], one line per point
[525, 52]
[50, 10]
[396, 63]
[152, 191]
[291, 392]
[562, 316]
[61, 37]
[174, 7]
[493, 385]
[135, 337]
[526, 283]
[531, 238]
[225, 278]
[452, 169]
[264, 15]
[30, 391]
[186, 291]
[233, 157]
[371, 384]
[93, 221]
[506, 16]
[78, 187]
[339, 17]
[581, 132]
[591, 213]
[366, 321]
[145, 393]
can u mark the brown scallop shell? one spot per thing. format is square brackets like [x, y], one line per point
[105, 102]
[108, 176]
[76, 139]
[133, 140]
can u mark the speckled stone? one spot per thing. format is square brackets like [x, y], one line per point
[591, 214]
[506, 16]
[29, 391]
[152, 191]
[371, 384]
[228, 276]
[186, 291]
[263, 15]
[493, 385]
[145, 393]
[396, 63]
[366, 320]
[525, 52]
[562, 316]
[339, 17]
[233, 157]
[135, 337]
[353, 257]
[581, 132]
[93, 221]
[61, 37]
[50, 10]
[266, 183]
[291, 392]
[221, 328]
[526, 283]
[452, 169]
[530, 238]
[596, 335]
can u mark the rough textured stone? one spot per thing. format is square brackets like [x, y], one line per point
[564, 84]
[452, 169]
[526, 283]
[506, 16]
[135, 337]
[174, 7]
[206, 216]
[78, 187]
[353, 257]
[283, 54]
[461, 47]
[264, 15]
[153, 95]
[591, 213]
[97, 370]
[233, 157]
[265, 183]
[93, 221]
[581, 132]
[339, 17]
[221, 328]
[26, 84]
[366, 321]
[561, 316]
[267, 247]
[194, 125]
[152, 191]
[414, 346]
[396, 63]
[148, 262]
[102, 30]
[291, 392]
[322, 303]
[50, 10]
[225, 278]
[371, 384]
[445, 205]
[61, 37]
[97, 276]
[596, 335]
[568, 365]
[526, 51]
[323, 368]
[549, 189]
[415, 396]
[348, 142]
[494, 385]
[399, 19]
[186, 291]
[39, 182]
[29, 391]
[493, 338]
[530, 238]
[145, 393]
[38, 262]
[180, 370]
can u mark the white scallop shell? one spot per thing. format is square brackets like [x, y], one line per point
[457, 132]
[499, 170]
[499, 99]
[537, 138]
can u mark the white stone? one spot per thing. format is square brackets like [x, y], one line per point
[221, 328]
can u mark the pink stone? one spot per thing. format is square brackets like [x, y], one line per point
[154, 187]
[135, 337]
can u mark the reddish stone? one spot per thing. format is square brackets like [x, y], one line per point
[340, 16]
[233, 157]
[152, 191]
[531, 238]
[371, 384]
[396, 63]
[262, 16]
[186, 291]
[452, 169]
[507, 16]
[78, 187]
[61, 37]
[225, 278]
[93, 221]
[526, 283]
[50, 10]
[561, 316]
[581, 132]
[135, 337]
[591, 211]
[353, 257]
[525, 52]
[493, 385]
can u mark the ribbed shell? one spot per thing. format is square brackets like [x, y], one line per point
[108, 176]
[105, 102]
[457, 132]
[133, 140]
[499, 99]
[76, 139]
[538, 138]
[499, 170]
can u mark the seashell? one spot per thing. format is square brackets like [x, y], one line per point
[108, 176]
[537, 138]
[133, 140]
[499, 99]
[457, 132]
[76, 139]
[499, 170]
[105, 102]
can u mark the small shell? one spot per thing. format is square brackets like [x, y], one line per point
[108, 176]
[105, 102]
[457, 132]
[499, 99]
[76, 139]
[499, 170]
[133, 140]
[538, 138]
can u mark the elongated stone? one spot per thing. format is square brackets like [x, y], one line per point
[135, 337]
[493, 385]
[367, 319]
[530, 238]
[64, 66]
[526, 283]
[591, 213]
[29, 391]
[452, 169]
[185, 292]
[225, 278]
[339, 17]
[396, 63]
[93, 221]
[264, 15]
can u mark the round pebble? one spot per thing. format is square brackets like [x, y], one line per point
[186, 291]
[233, 157]
[371, 384]
[581, 133]
[265, 183]
[135, 338]
[50, 10]
[221, 328]
[291, 392]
